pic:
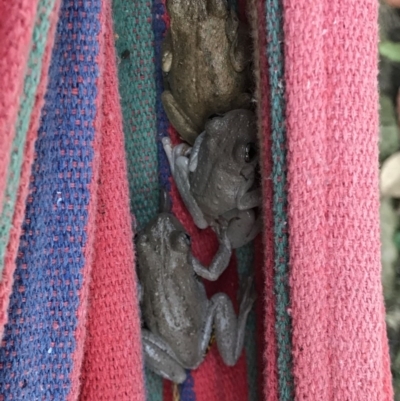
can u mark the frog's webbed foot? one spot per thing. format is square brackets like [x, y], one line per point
[243, 228]
[160, 359]
[178, 118]
[257, 228]
[180, 171]
[229, 329]
[220, 261]
[194, 154]
[249, 199]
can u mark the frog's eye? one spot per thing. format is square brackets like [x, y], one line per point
[186, 238]
[180, 241]
[250, 152]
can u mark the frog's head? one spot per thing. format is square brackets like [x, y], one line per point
[232, 139]
[166, 237]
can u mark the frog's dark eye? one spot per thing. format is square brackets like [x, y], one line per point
[186, 238]
[214, 116]
[250, 152]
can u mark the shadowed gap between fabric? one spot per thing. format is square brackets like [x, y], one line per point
[245, 255]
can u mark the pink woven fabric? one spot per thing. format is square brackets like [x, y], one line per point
[6, 281]
[112, 367]
[339, 341]
[17, 19]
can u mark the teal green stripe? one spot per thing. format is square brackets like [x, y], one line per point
[245, 263]
[137, 88]
[32, 79]
[154, 386]
[283, 326]
[136, 70]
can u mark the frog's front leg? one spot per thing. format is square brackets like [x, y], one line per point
[219, 263]
[256, 229]
[229, 329]
[247, 199]
[181, 122]
[243, 227]
[238, 52]
[180, 171]
[160, 359]
[194, 154]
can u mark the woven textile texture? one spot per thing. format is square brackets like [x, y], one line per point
[113, 366]
[32, 80]
[136, 69]
[88, 164]
[40, 349]
[17, 19]
[339, 345]
[23, 175]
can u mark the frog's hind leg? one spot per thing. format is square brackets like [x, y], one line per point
[180, 172]
[160, 359]
[178, 118]
[220, 261]
[229, 329]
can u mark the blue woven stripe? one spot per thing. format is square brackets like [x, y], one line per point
[36, 358]
[159, 29]
[186, 389]
[275, 54]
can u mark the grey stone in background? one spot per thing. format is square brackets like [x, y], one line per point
[389, 137]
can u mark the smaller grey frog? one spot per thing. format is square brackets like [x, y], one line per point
[178, 317]
[217, 181]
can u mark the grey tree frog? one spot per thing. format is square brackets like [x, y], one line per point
[216, 179]
[206, 59]
[178, 317]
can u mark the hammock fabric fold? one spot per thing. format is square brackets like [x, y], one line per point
[81, 168]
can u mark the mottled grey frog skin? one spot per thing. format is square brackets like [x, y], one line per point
[206, 56]
[177, 315]
[216, 179]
